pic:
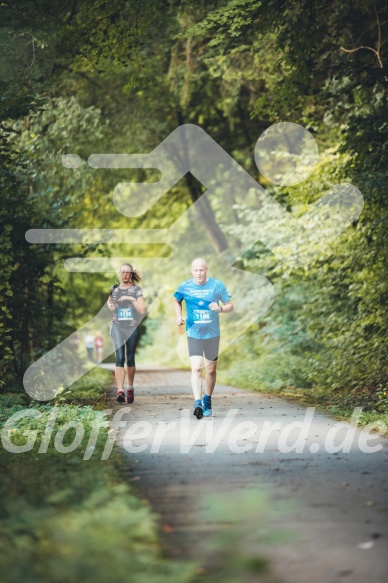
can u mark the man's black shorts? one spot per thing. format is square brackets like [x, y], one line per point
[206, 346]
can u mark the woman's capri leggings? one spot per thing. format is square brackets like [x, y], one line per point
[124, 346]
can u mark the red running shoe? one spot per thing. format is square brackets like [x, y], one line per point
[120, 397]
[130, 396]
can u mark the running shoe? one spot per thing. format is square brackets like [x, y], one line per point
[120, 397]
[130, 396]
[198, 409]
[207, 406]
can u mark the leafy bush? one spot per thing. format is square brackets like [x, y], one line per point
[64, 519]
[109, 536]
[36, 419]
[89, 389]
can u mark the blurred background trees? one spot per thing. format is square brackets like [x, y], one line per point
[119, 76]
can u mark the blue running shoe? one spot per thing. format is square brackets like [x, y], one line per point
[198, 409]
[207, 406]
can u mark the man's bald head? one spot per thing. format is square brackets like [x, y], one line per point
[199, 261]
[199, 271]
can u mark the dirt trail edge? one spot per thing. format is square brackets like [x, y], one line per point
[337, 516]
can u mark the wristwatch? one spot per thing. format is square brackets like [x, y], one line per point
[221, 309]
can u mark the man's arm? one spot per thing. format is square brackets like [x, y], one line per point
[178, 312]
[227, 307]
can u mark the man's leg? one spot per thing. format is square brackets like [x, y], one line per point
[211, 375]
[196, 376]
[195, 353]
[211, 350]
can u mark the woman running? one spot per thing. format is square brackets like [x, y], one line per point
[127, 302]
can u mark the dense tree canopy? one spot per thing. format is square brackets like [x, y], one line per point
[118, 76]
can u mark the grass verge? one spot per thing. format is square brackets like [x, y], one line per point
[339, 404]
[67, 519]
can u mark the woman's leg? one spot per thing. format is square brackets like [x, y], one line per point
[119, 346]
[130, 346]
[131, 375]
[119, 376]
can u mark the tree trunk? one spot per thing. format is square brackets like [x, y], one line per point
[206, 215]
[204, 209]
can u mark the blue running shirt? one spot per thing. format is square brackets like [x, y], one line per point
[201, 322]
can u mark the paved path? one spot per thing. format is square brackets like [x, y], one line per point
[337, 503]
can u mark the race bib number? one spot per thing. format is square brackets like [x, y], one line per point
[124, 314]
[202, 317]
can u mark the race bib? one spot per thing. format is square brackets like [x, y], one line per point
[202, 317]
[124, 314]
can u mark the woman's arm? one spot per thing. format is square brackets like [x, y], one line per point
[139, 305]
[110, 303]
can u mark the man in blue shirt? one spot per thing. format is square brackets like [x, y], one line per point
[202, 295]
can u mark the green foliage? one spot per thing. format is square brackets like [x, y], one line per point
[38, 417]
[105, 34]
[106, 536]
[115, 76]
[6, 354]
[122, 76]
[89, 389]
[326, 330]
[65, 519]
[232, 19]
